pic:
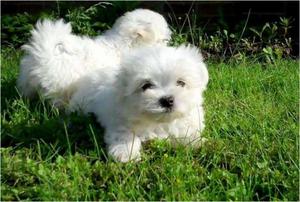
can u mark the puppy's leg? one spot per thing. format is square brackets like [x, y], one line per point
[187, 131]
[122, 144]
[189, 139]
[26, 83]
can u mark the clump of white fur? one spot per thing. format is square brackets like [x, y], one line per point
[136, 28]
[55, 58]
[127, 98]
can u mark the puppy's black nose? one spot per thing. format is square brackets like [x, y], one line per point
[167, 101]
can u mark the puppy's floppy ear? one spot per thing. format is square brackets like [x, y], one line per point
[125, 85]
[195, 56]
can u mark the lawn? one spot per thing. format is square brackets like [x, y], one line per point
[252, 152]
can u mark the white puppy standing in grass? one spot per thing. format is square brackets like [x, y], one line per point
[55, 58]
[156, 92]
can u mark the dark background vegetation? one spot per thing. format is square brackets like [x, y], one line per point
[221, 29]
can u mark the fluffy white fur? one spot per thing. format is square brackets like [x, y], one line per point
[126, 98]
[55, 58]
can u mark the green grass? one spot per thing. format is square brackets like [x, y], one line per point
[252, 153]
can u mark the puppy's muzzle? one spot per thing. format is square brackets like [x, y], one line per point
[167, 102]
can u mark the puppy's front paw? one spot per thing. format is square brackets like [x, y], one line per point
[125, 152]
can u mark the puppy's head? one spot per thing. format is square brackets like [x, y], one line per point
[161, 83]
[143, 26]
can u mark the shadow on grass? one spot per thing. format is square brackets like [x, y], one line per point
[8, 93]
[49, 126]
[64, 133]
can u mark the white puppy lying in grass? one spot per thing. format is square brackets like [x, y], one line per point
[55, 58]
[156, 92]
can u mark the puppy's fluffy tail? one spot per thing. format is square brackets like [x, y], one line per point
[46, 64]
[49, 38]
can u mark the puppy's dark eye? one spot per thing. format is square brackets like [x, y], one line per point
[147, 85]
[180, 83]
